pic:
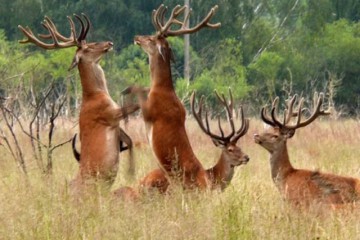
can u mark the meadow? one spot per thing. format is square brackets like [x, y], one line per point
[39, 207]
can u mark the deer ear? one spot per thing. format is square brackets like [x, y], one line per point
[74, 63]
[290, 133]
[216, 142]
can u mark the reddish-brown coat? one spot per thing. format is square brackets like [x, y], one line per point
[164, 117]
[301, 186]
[99, 114]
[220, 175]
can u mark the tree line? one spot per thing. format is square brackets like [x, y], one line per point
[264, 48]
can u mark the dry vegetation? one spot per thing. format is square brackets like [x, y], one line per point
[38, 207]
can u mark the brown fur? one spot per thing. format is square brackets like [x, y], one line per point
[220, 174]
[164, 117]
[99, 119]
[302, 186]
[99, 114]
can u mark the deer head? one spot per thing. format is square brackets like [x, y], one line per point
[276, 136]
[156, 45]
[230, 151]
[85, 53]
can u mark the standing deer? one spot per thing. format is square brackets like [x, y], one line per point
[99, 114]
[301, 186]
[231, 156]
[163, 113]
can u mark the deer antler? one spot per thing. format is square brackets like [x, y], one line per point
[56, 36]
[163, 29]
[234, 136]
[289, 113]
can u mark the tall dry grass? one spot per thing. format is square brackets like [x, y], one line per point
[39, 207]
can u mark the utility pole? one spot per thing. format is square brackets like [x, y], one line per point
[187, 47]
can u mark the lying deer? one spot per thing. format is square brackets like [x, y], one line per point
[231, 156]
[99, 114]
[301, 186]
[163, 113]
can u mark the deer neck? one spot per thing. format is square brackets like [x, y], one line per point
[222, 172]
[160, 72]
[280, 164]
[92, 79]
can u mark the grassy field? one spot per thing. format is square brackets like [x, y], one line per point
[251, 208]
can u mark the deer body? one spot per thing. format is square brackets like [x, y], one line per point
[301, 186]
[164, 117]
[221, 174]
[99, 114]
[163, 113]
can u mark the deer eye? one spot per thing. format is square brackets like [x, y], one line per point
[274, 137]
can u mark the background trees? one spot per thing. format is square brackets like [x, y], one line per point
[264, 47]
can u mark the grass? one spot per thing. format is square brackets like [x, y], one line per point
[39, 207]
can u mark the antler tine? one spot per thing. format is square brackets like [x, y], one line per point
[198, 117]
[53, 33]
[157, 17]
[289, 109]
[229, 110]
[32, 39]
[220, 127]
[161, 16]
[197, 114]
[243, 128]
[59, 36]
[153, 19]
[266, 118]
[81, 36]
[88, 24]
[202, 24]
[186, 18]
[172, 19]
[274, 117]
[164, 29]
[318, 100]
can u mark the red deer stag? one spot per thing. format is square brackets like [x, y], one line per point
[231, 156]
[163, 113]
[99, 114]
[299, 186]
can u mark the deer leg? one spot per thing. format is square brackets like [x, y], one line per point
[155, 180]
[123, 112]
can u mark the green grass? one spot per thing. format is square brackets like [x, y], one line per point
[251, 208]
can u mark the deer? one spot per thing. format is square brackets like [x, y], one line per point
[99, 114]
[301, 186]
[222, 172]
[163, 112]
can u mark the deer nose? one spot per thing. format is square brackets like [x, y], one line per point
[111, 44]
[246, 158]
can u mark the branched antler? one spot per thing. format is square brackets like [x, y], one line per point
[164, 29]
[59, 41]
[233, 136]
[289, 113]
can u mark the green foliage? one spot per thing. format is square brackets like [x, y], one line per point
[261, 46]
[341, 50]
[264, 73]
[227, 72]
